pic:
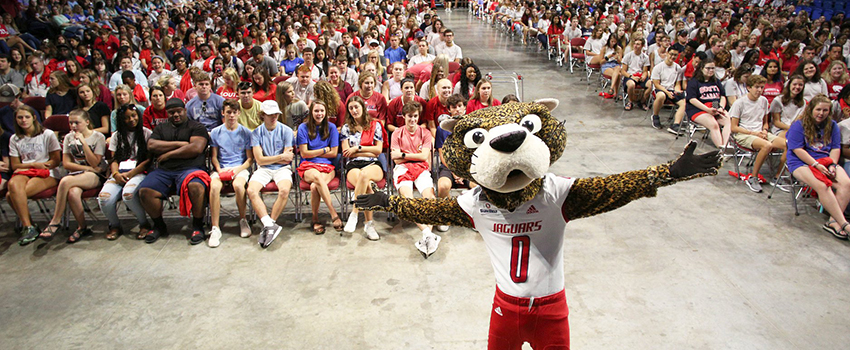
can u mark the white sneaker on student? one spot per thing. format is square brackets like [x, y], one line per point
[215, 237]
[442, 228]
[371, 234]
[351, 224]
[244, 228]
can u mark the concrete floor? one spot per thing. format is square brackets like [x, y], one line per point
[705, 265]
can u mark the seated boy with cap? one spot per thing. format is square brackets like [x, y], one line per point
[272, 144]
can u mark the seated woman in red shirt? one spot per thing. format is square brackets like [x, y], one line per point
[482, 98]
[395, 118]
[229, 90]
[775, 82]
[263, 88]
[836, 78]
[376, 104]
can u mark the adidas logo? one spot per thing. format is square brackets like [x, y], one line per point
[499, 310]
[532, 210]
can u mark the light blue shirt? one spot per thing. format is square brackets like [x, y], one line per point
[206, 112]
[273, 142]
[231, 145]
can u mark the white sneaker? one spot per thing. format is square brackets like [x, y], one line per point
[371, 234]
[215, 237]
[431, 243]
[442, 228]
[351, 224]
[245, 228]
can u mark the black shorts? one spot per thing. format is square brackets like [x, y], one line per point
[445, 172]
[360, 164]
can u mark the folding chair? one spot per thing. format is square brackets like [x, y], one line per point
[554, 50]
[575, 58]
[798, 191]
[58, 123]
[303, 189]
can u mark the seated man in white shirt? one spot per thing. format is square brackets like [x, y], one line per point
[449, 48]
[750, 128]
[422, 56]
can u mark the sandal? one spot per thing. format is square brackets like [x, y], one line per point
[78, 234]
[143, 232]
[49, 231]
[113, 233]
[318, 228]
[628, 106]
[337, 227]
[643, 106]
[840, 234]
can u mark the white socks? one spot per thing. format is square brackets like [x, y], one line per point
[267, 220]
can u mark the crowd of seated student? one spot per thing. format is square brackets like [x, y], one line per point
[767, 78]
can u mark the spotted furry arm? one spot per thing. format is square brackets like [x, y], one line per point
[439, 211]
[591, 196]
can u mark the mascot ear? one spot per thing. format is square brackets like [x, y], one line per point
[550, 103]
[448, 124]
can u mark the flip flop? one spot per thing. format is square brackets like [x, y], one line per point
[318, 228]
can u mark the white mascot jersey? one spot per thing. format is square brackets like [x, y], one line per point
[526, 246]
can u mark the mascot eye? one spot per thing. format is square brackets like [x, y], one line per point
[475, 137]
[531, 122]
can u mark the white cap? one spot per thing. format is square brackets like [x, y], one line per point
[270, 107]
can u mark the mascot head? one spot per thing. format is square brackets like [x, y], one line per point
[505, 149]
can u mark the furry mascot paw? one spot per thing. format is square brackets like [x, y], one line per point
[689, 166]
[373, 201]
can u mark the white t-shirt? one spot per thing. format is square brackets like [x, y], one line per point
[594, 45]
[526, 246]
[733, 88]
[667, 76]
[35, 149]
[131, 141]
[787, 113]
[636, 62]
[750, 113]
[454, 52]
[419, 59]
[810, 90]
[96, 142]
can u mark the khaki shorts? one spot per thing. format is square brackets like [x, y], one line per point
[746, 141]
[265, 175]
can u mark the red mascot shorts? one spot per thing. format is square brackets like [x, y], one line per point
[542, 322]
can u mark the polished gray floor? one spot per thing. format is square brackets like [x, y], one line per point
[705, 265]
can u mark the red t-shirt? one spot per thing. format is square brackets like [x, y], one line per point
[435, 109]
[771, 90]
[376, 105]
[261, 95]
[833, 90]
[226, 92]
[474, 105]
[151, 117]
[139, 93]
[765, 57]
[394, 116]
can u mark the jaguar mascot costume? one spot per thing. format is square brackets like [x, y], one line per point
[521, 211]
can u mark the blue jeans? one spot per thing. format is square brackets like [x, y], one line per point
[112, 192]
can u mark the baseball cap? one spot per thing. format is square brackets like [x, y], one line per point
[174, 102]
[373, 42]
[9, 92]
[270, 107]
[419, 34]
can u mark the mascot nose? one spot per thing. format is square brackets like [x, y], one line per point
[508, 142]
